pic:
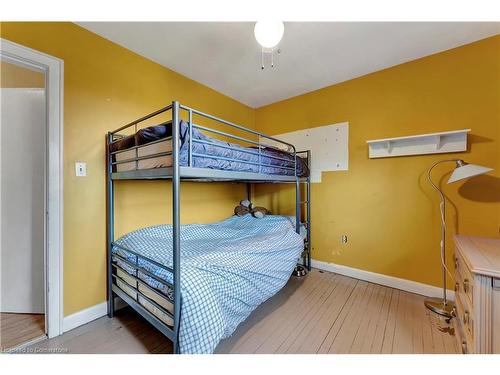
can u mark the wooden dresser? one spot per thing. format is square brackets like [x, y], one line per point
[477, 293]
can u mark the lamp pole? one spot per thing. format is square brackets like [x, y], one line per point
[462, 170]
[442, 306]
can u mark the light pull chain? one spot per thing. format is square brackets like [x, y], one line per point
[263, 56]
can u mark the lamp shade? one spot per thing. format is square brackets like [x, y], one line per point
[466, 171]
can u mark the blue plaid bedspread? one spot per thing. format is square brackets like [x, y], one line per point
[228, 268]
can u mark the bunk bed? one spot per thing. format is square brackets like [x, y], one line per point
[144, 266]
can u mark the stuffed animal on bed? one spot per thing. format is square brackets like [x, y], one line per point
[246, 207]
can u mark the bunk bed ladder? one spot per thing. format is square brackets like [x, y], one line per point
[307, 259]
[307, 202]
[301, 270]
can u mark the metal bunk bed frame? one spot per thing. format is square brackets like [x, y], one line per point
[177, 173]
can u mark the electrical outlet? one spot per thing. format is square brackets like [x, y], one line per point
[80, 169]
[343, 239]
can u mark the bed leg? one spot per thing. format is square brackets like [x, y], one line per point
[176, 223]
[111, 305]
[297, 205]
[309, 248]
[176, 346]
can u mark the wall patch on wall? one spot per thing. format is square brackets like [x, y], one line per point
[329, 147]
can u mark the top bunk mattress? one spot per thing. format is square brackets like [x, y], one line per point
[207, 152]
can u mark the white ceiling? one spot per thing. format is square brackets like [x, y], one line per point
[226, 57]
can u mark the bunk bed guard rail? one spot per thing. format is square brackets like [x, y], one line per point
[117, 262]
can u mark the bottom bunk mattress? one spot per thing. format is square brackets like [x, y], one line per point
[228, 268]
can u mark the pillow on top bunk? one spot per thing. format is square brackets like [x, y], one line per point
[122, 144]
[153, 133]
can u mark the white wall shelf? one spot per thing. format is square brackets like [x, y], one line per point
[432, 143]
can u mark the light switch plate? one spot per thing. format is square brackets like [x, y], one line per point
[80, 169]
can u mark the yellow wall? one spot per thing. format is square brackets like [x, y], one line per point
[13, 76]
[106, 86]
[386, 206]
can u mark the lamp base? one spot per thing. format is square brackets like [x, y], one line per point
[438, 306]
[299, 271]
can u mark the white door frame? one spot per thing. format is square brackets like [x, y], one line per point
[54, 86]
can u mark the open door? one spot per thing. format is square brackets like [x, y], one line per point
[23, 204]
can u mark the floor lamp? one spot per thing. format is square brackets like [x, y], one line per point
[462, 170]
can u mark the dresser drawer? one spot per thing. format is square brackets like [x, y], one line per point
[464, 280]
[465, 320]
[496, 316]
[477, 297]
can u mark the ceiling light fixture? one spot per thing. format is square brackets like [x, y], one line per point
[268, 34]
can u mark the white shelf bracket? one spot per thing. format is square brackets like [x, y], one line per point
[389, 147]
[438, 142]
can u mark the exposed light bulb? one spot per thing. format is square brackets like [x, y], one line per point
[269, 33]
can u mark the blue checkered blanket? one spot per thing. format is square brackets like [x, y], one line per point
[228, 268]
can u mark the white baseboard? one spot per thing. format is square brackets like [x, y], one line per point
[89, 314]
[378, 278]
[92, 313]
[84, 316]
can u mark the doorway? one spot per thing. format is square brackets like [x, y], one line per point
[23, 127]
[31, 196]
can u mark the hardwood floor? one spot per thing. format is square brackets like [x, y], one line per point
[17, 329]
[322, 313]
[126, 333]
[330, 313]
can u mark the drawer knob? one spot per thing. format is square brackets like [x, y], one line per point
[457, 286]
[464, 347]
[466, 285]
